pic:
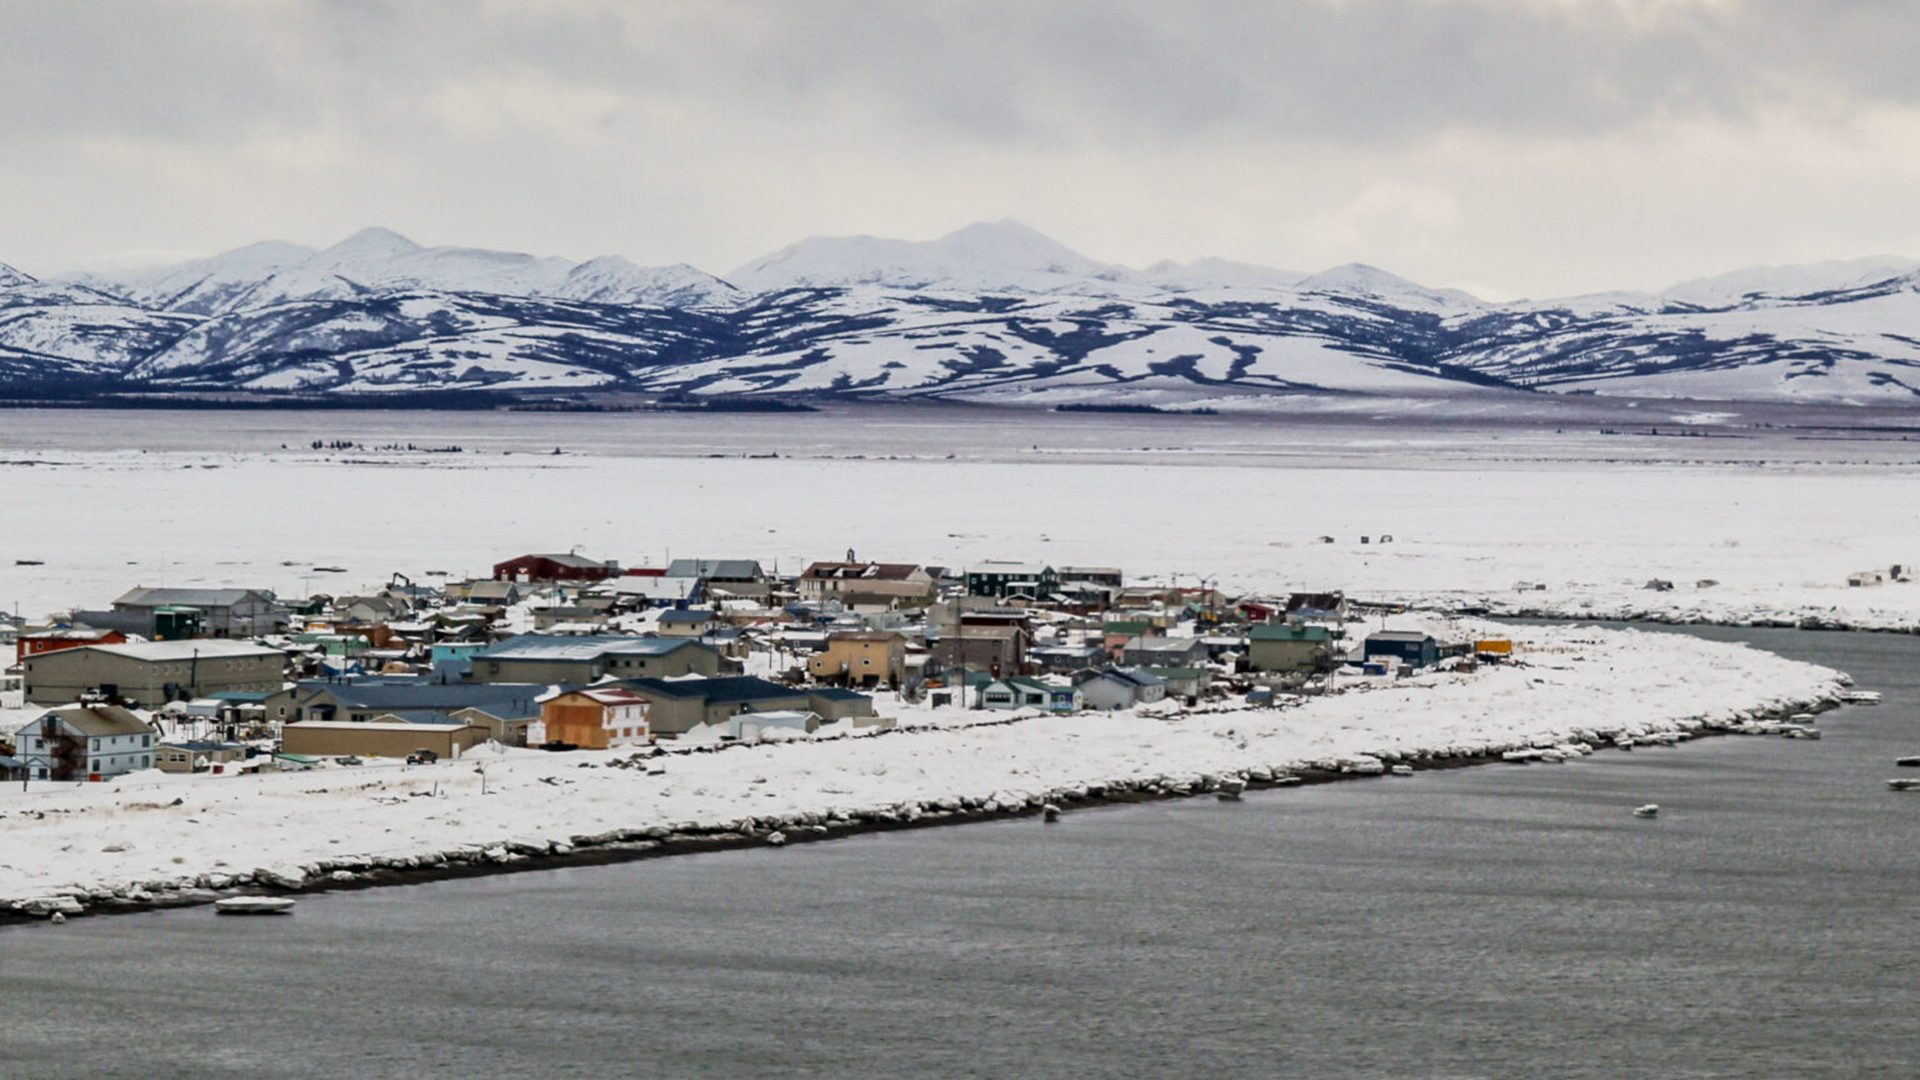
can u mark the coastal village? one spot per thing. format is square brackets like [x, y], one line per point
[226, 746]
[563, 653]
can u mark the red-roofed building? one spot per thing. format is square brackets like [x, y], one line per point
[554, 568]
[46, 641]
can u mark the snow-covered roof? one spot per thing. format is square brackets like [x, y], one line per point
[145, 597]
[159, 652]
[557, 647]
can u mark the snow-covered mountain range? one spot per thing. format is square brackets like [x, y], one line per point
[993, 312]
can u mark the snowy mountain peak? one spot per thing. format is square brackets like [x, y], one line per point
[988, 256]
[1009, 243]
[1364, 280]
[1799, 279]
[372, 242]
[264, 255]
[9, 277]
[1210, 274]
[612, 279]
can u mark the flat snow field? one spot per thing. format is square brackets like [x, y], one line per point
[1571, 684]
[1476, 506]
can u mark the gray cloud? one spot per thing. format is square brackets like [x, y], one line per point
[708, 131]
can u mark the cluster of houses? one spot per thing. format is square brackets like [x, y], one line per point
[566, 652]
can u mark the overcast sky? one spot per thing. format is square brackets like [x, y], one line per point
[1511, 147]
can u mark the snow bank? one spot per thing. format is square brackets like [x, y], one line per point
[152, 835]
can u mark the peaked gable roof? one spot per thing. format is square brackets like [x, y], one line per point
[93, 721]
[141, 596]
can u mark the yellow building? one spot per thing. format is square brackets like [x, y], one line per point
[861, 658]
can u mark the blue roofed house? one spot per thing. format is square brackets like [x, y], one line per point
[689, 622]
[576, 661]
[641, 591]
[504, 710]
[677, 706]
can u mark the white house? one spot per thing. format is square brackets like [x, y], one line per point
[1119, 688]
[85, 742]
[1019, 692]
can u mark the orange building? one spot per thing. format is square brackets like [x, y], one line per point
[596, 718]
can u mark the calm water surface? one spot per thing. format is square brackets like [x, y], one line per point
[1498, 921]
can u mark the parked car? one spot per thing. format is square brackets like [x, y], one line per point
[422, 756]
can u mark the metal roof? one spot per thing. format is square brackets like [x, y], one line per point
[836, 693]
[505, 700]
[725, 689]
[348, 725]
[570, 560]
[653, 588]
[1162, 643]
[145, 597]
[93, 721]
[158, 652]
[584, 649]
[1002, 569]
[733, 569]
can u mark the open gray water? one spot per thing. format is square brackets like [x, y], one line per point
[1496, 921]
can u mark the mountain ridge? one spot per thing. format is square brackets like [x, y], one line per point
[991, 311]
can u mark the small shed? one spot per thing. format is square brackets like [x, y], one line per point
[748, 727]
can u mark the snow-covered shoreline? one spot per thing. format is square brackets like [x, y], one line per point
[154, 840]
[1679, 613]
